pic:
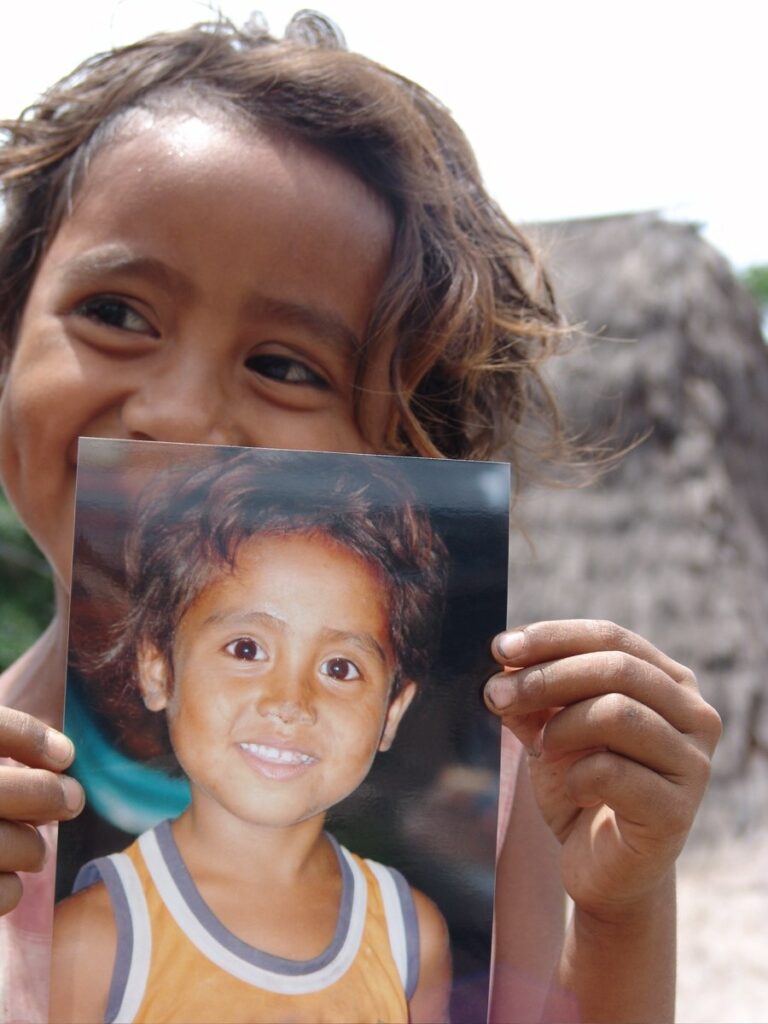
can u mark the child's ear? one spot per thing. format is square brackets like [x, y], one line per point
[154, 677]
[397, 708]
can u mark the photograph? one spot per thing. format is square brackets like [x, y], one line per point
[292, 781]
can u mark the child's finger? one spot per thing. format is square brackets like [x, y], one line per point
[581, 677]
[28, 740]
[35, 795]
[22, 848]
[626, 727]
[549, 641]
[638, 796]
[528, 728]
[10, 892]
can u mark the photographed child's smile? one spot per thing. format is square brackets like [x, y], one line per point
[278, 697]
[277, 762]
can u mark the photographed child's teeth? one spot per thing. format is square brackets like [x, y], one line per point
[273, 754]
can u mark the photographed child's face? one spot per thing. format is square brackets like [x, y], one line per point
[279, 696]
[210, 285]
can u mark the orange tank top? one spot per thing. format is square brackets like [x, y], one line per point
[176, 962]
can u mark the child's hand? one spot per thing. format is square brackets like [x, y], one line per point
[31, 793]
[619, 742]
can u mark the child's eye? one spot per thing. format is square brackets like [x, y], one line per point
[285, 369]
[114, 312]
[245, 649]
[340, 668]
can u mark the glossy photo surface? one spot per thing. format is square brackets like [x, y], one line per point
[296, 643]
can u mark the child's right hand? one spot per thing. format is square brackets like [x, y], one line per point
[31, 792]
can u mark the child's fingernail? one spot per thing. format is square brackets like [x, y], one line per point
[58, 747]
[510, 645]
[73, 794]
[498, 693]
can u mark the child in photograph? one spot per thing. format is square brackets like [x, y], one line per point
[282, 614]
[215, 236]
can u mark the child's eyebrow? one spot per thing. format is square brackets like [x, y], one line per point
[365, 642]
[118, 260]
[325, 324]
[244, 617]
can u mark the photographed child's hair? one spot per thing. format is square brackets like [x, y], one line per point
[188, 529]
[466, 300]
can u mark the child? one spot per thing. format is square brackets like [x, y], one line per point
[212, 236]
[283, 635]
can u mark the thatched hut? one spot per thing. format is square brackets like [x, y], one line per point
[674, 542]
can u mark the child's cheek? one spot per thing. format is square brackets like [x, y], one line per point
[35, 472]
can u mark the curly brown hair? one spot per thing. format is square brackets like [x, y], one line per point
[466, 297]
[190, 524]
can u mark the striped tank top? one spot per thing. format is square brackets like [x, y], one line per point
[176, 962]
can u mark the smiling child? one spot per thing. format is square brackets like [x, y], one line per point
[216, 236]
[282, 633]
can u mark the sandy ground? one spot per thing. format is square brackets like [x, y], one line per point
[723, 912]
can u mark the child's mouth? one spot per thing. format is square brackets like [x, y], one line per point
[278, 756]
[276, 762]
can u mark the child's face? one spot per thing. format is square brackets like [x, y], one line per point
[281, 682]
[209, 285]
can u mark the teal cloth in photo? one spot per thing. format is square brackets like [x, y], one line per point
[130, 795]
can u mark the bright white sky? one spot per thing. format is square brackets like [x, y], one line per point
[574, 107]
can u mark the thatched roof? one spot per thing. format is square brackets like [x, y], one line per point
[673, 543]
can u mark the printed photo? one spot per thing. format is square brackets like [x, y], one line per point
[274, 687]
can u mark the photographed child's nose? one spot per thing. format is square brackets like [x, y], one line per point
[287, 701]
[180, 401]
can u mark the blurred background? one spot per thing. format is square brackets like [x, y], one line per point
[630, 139]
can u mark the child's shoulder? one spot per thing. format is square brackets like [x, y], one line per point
[433, 931]
[430, 999]
[90, 907]
[84, 948]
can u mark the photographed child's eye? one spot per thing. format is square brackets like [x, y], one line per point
[245, 649]
[340, 668]
[114, 312]
[285, 369]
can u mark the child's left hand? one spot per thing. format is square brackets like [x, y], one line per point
[620, 743]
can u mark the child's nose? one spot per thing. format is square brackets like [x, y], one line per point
[180, 401]
[288, 702]
[288, 712]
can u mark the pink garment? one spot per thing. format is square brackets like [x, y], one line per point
[25, 945]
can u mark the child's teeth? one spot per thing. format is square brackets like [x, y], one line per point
[273, 754]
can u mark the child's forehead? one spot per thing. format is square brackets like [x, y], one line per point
[296, 554]
[199, 192]
[303, 575]
[295, 545]
[229, 154]
[228, 212]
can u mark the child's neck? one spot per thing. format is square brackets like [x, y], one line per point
[253, 852]
[277, 889]
[35, 682]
